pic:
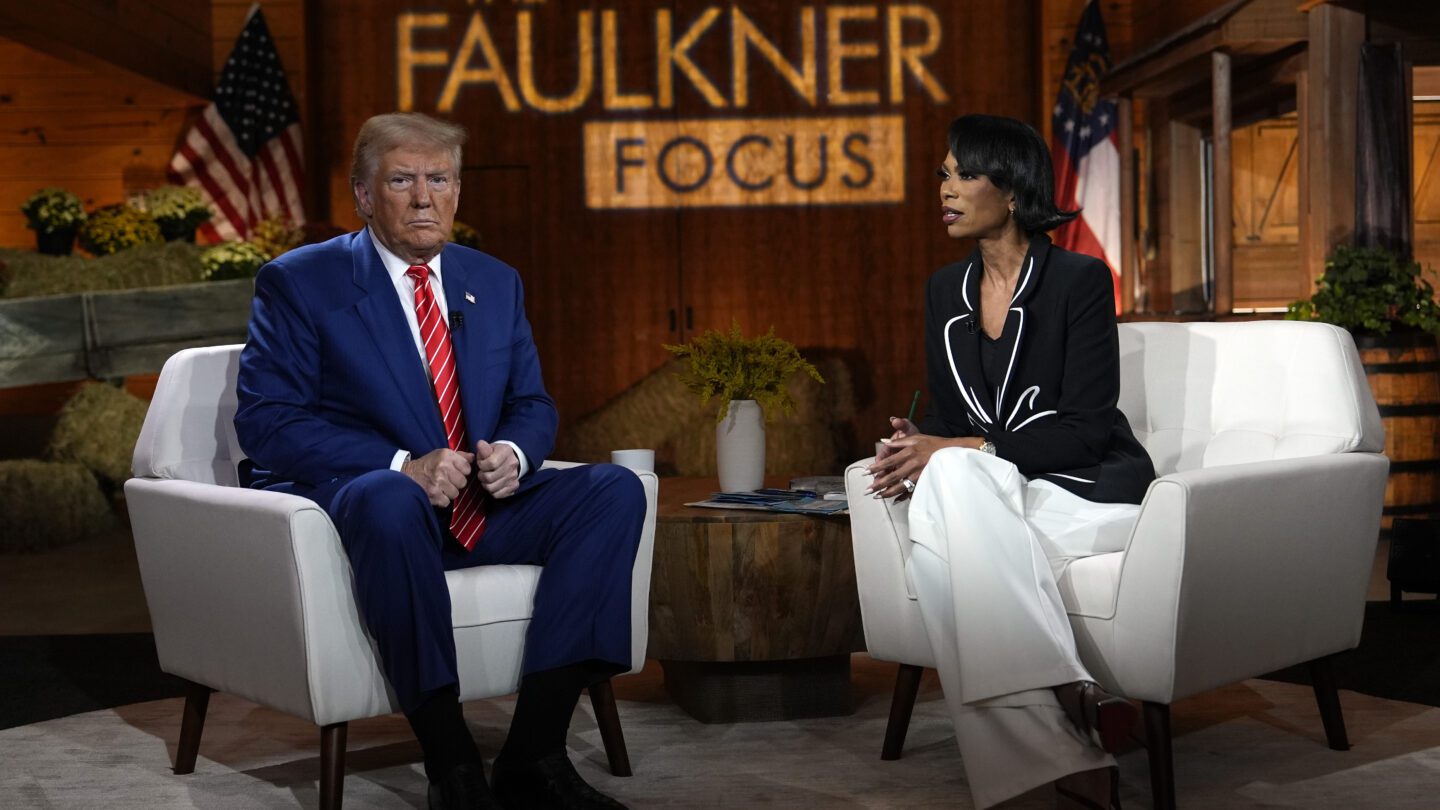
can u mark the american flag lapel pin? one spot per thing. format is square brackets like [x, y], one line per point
[469, 297]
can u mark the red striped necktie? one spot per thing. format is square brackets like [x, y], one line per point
[467, 514]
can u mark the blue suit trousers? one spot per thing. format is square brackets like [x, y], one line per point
[582, 524]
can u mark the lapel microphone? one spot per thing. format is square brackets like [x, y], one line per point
[457, 319]
[969, 325]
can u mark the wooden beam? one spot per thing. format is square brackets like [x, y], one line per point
[164, 41]
[1328, 179]
[317, 156]
[1163, 73]
[1125, 130]
[1222, 186]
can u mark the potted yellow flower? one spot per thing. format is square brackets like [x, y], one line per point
[54, 214]
[178, 210]
[116, 227]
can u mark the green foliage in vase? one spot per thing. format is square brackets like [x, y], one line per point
[117, 227]
[229, 260]
[731, 366]
[1369, 290]
[50, 210]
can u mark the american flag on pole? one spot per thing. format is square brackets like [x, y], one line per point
[1085, 150]
[244, 153]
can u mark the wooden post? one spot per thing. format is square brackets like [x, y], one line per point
[1328, 179]
[1180, 289]
[1222, 184]
[1125, 128]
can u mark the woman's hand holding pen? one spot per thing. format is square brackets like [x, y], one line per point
[904, 457]
[902, 428]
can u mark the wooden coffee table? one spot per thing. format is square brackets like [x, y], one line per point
[753, 615]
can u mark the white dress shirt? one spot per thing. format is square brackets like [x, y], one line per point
[396, 267]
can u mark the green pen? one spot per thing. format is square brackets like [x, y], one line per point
[914, 402]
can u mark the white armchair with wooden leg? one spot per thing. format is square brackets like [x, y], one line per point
[1253, 548]
[250, 591]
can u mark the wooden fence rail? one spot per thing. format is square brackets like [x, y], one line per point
[104, 335]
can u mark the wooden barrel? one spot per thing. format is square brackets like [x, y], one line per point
[1404, 375]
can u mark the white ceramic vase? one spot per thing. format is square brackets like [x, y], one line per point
[740, 447]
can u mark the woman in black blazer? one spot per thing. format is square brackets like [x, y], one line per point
[1021, 464]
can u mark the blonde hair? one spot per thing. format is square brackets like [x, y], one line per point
[389, 131]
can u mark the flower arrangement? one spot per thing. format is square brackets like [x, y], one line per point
[178, 210]
[230, 260]
[733, 367]
[275, 235]
[116, 227]
[1370, 290]
[52, 210]
[462, 234]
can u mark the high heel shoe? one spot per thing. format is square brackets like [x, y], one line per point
[1099, 715]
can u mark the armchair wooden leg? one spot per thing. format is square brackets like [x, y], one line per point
[902, 705]
[192, 723]
[1162, 759]
[1327, 697]
[332, 765]
[602, 699]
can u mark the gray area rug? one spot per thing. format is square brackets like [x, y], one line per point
[1251, 745]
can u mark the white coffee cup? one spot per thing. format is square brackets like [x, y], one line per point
[638, 460]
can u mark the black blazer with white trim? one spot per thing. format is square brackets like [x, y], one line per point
[1054, 415]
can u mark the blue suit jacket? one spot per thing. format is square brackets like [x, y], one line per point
[331, 384]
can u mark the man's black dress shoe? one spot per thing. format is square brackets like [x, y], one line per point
[549, 782]
[462, 789]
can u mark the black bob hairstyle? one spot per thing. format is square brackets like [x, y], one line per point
[1013, 155]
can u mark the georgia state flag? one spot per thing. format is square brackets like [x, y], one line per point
[1085, 150]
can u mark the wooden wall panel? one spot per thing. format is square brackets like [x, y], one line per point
[101, 134]
[1426, 174]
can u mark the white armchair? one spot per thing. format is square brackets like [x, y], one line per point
[250, 592]
[1253, 548]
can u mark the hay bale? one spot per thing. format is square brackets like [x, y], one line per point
[658, 412]
[33, 274]
[98, 428]
[45, 504]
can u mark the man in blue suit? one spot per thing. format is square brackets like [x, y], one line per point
[391, 377]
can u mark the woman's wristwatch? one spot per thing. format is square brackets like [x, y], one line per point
[987, 446]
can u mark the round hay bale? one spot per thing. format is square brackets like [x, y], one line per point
[45, 504]
[98, 428]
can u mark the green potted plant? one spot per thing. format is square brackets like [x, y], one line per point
[114, 228]
[1390, 309]
[1370, 291]
[231, 260]
[178, 210]
[54, 214]
[748, 376]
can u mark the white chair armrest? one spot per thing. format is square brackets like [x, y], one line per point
[880, 537]
[1279, 579]
[280, 616]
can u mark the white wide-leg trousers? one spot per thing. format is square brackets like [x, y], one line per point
[989, 546]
